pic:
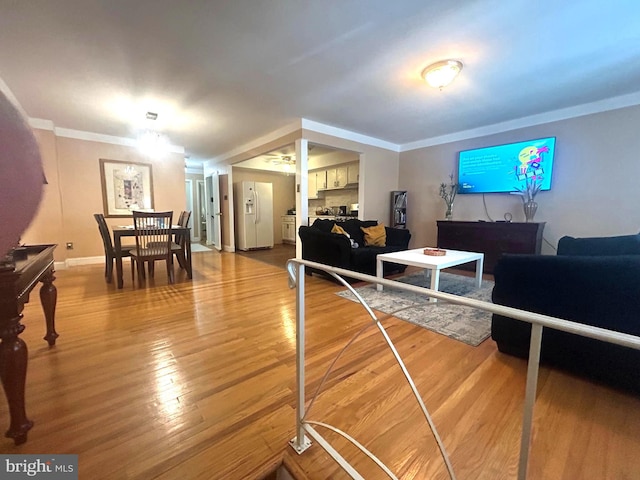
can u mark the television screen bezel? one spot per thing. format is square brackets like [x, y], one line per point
[467, 192]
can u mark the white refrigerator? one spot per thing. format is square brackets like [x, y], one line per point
[254, 201]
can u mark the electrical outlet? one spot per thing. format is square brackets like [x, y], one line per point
[69, 245]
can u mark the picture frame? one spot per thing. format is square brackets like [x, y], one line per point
[126, 186]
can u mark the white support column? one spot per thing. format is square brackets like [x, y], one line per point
[301, 442]
[302, 188]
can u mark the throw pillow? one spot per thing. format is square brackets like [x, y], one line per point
[375, 236]
[338, 229]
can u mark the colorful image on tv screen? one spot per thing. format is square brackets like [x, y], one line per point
[506, 168]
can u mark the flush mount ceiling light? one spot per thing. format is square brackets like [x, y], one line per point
[441, 74]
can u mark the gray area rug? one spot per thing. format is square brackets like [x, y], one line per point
[466, 324]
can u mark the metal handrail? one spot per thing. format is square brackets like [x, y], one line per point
[295, 269]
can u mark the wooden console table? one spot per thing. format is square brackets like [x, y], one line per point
[491, 238]
[16, 283]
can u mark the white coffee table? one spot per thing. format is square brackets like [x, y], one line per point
[417, 258]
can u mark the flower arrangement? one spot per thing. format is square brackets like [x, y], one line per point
[530, 189]
[448, 194]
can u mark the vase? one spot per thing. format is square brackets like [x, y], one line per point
[449, 213]
[530, 209]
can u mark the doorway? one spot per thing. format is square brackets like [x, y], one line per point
[200, 220]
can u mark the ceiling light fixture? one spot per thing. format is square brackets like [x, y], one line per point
[441, 74]
[153, 144]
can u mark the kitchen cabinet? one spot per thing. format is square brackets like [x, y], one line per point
[289, 229]
[321, 180]
[353, 173]
[313, 185]
[337, 177]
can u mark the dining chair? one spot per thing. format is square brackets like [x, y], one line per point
[109, 251]
[179, 245]
[153, 242]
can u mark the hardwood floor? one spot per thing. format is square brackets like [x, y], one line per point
[197, 380]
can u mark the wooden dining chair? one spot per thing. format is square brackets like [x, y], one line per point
[153, 242]
[109, 251]
[179, 246]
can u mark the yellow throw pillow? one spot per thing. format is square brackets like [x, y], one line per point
[375, 236]
[338, 229]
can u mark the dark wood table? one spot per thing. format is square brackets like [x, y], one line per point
[35, 264]
[119, 232]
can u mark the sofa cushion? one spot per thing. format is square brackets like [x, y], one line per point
[352, 227]
[597, 246]
[324, 225]
[375, 236]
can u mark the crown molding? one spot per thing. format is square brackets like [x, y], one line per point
[43, 124]
[533, 120]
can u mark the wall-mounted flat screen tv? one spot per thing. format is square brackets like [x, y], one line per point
[506, 168]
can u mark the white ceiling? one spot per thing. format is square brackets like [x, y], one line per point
[222, 73]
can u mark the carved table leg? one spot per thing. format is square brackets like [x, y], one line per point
[13, 373]
[49, 298]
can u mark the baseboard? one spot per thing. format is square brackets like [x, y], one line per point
[228, 248]
[74, 262]
[78, 261]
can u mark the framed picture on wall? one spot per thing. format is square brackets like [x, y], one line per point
[126, 186]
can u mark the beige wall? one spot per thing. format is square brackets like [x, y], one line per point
[594, 188]
[284, 194]
[74, 192]
[47, 227]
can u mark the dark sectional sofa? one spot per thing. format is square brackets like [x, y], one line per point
[594, 281]
[322, 246]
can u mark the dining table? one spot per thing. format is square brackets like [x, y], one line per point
[128, 231]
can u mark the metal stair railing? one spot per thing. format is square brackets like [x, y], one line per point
[305, 427]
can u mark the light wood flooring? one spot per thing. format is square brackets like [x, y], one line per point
[197, 381]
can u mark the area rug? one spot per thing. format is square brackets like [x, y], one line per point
[466, 324]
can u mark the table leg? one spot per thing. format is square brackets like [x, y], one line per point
[13, 374]
[117, 247]
[48, 299]
[435, 282]
[379, 273]
[479, 268]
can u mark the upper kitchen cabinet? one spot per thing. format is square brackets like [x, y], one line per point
[336, 177]
[321, 180]
[341, 176]
[317, 181]
[353, 173]
[313, 186]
